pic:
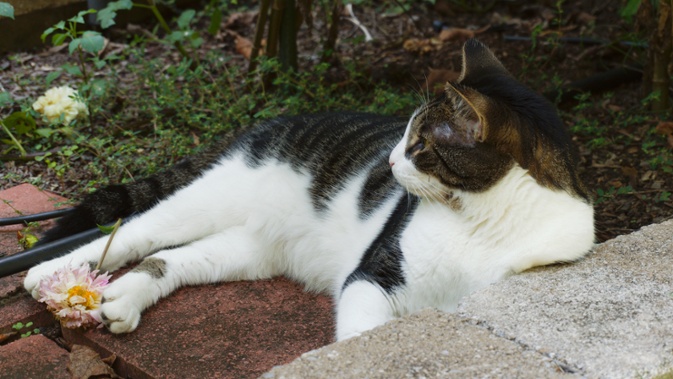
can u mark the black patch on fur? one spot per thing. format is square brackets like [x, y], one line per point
[379, 186]
[332, 147]
[382, 262]
[154, 267]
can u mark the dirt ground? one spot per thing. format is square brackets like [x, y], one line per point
[624, 161]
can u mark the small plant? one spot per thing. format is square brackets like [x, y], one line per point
[21, 328]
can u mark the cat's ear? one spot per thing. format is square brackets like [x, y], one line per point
[479, 61]
[469, 111]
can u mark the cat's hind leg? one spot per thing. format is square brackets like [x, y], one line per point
[363, 305]
[230, 255]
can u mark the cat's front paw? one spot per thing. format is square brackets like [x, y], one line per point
[124, 300]
[35, 275]
[120, 315]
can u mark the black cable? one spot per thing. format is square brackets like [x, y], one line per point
[22, 261]
[35, 217]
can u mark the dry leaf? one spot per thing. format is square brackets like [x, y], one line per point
[85, 363]
[421, 46]
[243, 46]
[5, 336]
[459, 34]
[666, 128]
[632, 174]
[585, 18]
[456, 34]
[239, 21]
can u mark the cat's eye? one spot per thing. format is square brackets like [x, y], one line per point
[418, 146]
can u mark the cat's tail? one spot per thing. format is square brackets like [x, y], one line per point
[110, 203]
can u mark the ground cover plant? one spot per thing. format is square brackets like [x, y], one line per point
[158, 91]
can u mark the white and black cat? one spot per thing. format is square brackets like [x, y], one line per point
[386, 215]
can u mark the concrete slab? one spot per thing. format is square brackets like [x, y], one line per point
[34, 357]
[429, 344]
[609, 316]
[231, 330]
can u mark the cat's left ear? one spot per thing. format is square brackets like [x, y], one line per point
[479, 61]
[470, 108]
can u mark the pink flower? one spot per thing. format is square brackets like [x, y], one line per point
[74, 295]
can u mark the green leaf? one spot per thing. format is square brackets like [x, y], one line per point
[52, 76]
[58, 39]
[215, 21]
[79, 18]
[74, 44]
[630, 9]
[175, 36]
[99, 63]
[72, 69]
[17, 326]
[20, 122]
[106, 229]
[185, 18]
[92, 42]
[196, 41]
[5, 99]
[44, 132]
[98, 87]
[106, 16]
[6, 10]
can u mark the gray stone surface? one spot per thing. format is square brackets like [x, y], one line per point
[608, 316]
[429, 344]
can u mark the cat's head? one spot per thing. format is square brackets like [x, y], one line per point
[470, 136]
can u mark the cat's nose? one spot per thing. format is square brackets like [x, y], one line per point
[391, 163]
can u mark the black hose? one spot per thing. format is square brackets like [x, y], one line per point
[22, 261]
[35, 217]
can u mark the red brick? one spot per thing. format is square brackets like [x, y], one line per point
[229, 330]
[34, 357]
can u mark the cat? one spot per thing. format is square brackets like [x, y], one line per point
[387, 215]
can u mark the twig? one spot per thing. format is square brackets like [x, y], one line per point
[356, 22]
[259, 34]
[109, 241]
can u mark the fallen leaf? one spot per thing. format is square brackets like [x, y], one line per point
[5, 336]
[666, 128]
[460, 34]
[240, 20]
[85, 363]
[585, 18]
[632, 174]
[421, 46]
[456, 34]
[243, 46]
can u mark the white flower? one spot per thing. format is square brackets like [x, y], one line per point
[74, 295]
[59, 101]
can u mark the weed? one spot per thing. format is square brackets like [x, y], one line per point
[21, 328]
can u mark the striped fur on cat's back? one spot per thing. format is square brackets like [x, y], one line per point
[387, 215]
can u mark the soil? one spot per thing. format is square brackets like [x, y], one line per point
[627, 165]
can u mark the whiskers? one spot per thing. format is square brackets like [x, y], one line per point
[428, 189]
[422, 91]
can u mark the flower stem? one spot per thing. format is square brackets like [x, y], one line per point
[16, 142]
[109, 241]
